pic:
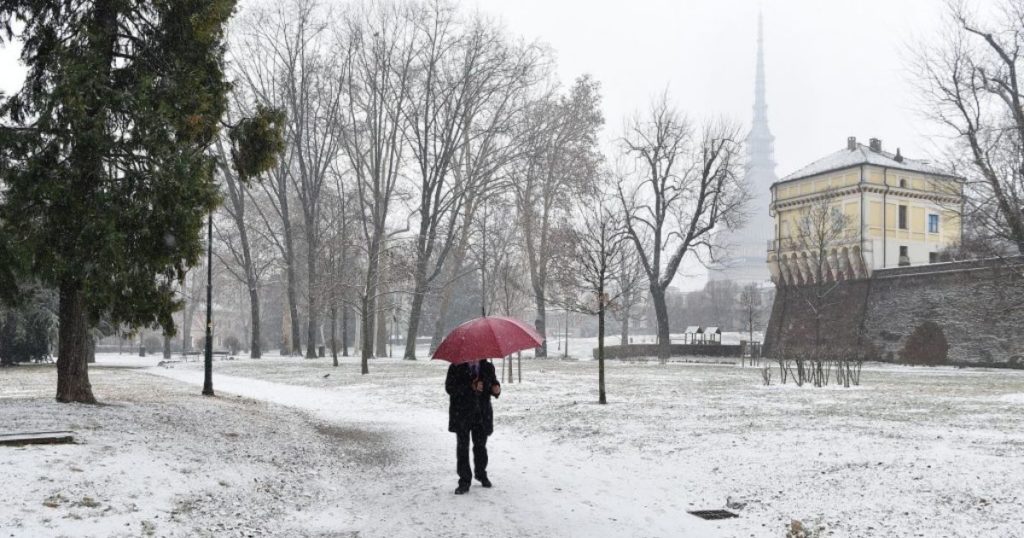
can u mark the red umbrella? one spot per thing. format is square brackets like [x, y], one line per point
[487, 338]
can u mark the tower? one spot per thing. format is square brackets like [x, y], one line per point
[745, 249]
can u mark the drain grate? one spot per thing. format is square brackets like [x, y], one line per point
[714, 514]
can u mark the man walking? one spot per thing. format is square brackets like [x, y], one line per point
[470, 416]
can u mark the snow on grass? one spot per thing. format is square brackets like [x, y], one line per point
[913, 452]
[158, 459]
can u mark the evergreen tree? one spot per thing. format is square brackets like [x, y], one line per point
[25, 327]
[107, 175]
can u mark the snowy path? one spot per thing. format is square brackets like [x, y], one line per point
[539, 489]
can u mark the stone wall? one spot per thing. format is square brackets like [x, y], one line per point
[978, 305]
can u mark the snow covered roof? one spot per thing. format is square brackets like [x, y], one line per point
[693, 329]
[712, 330]
[849, 158]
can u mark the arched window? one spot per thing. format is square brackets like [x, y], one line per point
[903, 183]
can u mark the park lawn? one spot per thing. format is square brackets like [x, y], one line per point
[910, 452]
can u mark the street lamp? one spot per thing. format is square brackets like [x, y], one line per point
[208, 362]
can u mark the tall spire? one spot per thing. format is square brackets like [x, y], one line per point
[760, 103]
[744, 260]
[760, 142]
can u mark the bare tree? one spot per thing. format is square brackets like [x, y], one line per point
[561, 159]
[460, 68]
[689, 186]
[630, 281]
[972, 86]
[291, 41]
[264, 44]
[246, 264]
[339, 271]
[489, 147]
[313, 104]
[751, 307]
[497, 254]
[378, 53]
[598, 244]
[821, 228]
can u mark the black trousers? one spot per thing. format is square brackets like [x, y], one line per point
[479, 454]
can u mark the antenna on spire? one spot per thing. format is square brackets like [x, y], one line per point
[760, 142]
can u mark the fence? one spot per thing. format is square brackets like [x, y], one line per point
[675, 350]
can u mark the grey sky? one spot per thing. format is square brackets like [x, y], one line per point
[835, 67]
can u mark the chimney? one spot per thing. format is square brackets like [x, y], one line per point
[876, 145]
[899, 156]
[851, 143]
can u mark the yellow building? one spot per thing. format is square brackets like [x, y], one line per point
[898, 212]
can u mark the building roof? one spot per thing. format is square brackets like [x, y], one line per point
[693, 329]
[847, 158]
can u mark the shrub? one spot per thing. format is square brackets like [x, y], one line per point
[232, 343]
[153, 343]
[798, 529]
[927, 345]
[25, 330]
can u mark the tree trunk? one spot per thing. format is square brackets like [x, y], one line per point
[167, 347]
[286, 331]
[237, 199]
[600, 355]
[625, 329]
[293, 301]
[255, 345]
[73, 347]
[311, 280]
[369, 310]
[414, 312]
[661, 312]
[236, 196]
[312, 315]
[366, 331]
[541, 326]
[255, 349]
[457, 261]
[344, 330]
[334, 334]
[441, 322]
[383, 330]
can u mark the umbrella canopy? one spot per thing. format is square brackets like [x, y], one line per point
[487, 338]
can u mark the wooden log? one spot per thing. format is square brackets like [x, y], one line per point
[36, 438]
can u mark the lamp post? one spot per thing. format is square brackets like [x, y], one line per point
[208, 358]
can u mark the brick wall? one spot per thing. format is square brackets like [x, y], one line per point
[979, 306]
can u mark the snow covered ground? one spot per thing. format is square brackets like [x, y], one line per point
[914, 452]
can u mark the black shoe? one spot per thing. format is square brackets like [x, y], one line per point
[484, 481]
[461, 489]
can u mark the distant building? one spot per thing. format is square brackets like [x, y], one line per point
[887, 294]
[900, 212]
[743, 248]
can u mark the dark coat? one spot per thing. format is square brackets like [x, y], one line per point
[468, 408]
